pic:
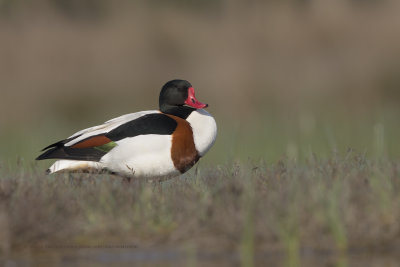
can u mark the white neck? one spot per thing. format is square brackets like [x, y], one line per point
[204, 130]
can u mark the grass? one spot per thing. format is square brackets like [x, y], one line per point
[341, 204]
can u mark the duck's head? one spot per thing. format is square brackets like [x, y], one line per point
[178, 94]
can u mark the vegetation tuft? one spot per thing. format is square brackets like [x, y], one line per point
[340, 204]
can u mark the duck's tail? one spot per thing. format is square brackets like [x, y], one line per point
[75, 166]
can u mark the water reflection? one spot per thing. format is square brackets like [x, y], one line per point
[187, 257]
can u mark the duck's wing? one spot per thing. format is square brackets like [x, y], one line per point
[93, 143]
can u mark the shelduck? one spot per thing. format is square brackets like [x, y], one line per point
[148, 144]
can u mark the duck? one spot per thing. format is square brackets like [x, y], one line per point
[152, 144]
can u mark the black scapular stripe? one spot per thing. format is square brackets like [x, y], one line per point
[157, 123]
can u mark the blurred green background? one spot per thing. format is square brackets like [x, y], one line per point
[282, 78]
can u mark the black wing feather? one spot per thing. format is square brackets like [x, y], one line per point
[87, 154]
[60, 143]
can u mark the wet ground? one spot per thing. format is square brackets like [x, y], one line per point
[129, 256]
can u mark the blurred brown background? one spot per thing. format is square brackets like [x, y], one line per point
[281, 77]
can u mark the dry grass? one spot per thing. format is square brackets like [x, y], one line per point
[344, 204]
